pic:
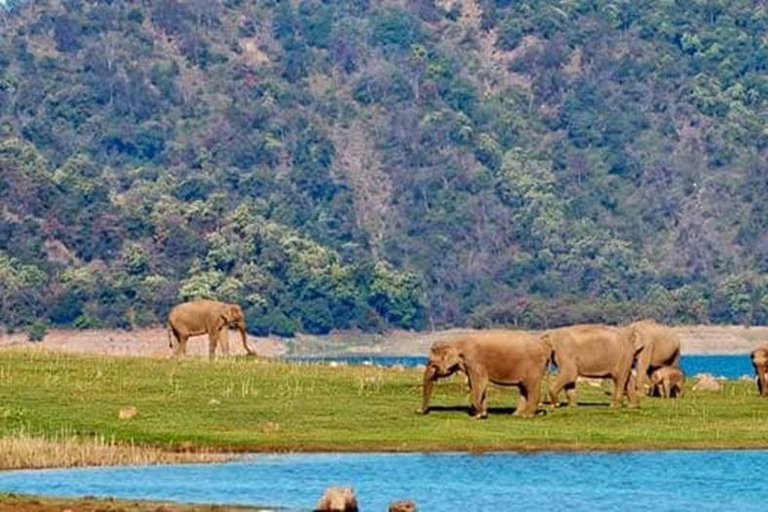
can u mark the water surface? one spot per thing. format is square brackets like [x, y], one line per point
[728, 366]
[658, 481]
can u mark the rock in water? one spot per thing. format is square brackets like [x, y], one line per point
[402, 506]
[338, 499]
[128, 412]
[706, 382]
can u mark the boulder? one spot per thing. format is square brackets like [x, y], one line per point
[127, 413]
[337, 499]
[706, 382]
[402, 506]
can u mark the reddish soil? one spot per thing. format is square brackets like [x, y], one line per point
[12, 503]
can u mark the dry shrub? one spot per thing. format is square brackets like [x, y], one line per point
[22, 450]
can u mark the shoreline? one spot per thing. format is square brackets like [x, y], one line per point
[152, 342]
[18, 502]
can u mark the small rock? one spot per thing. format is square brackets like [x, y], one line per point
[270, 427]
[213, 401]
[402, 506]
[338, 499]
[127, 413]
[367, 363]
[420, 367]
[398, 368]
[333, 364]
[706, 382]
[748, 378]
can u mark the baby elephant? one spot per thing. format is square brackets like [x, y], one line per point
[667, 382]
[511, 358]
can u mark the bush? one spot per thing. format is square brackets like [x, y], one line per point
[37, 331]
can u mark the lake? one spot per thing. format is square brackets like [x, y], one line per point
[658, 481]
[728, 366]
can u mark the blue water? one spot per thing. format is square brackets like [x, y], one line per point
[659, 481]
[729, 366]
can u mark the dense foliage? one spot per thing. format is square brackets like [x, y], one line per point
[336, 164]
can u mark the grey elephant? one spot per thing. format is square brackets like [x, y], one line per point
[667, 382]
[204, 317]
[592, 350]
[660, 347]
[505, 357]
[759, 357]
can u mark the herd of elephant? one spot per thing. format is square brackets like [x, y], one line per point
[630, 355]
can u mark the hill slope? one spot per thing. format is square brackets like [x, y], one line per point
[373, 164]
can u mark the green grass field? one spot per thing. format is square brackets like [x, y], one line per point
[249, 405]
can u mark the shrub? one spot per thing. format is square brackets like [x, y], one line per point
[37, 331]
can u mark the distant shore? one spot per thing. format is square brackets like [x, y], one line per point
[153, 342]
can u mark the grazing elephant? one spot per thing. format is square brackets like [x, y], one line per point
[204, 317]
[759, 358]
[661, 347]
[511, 358]
[591, 350]
[668, 382]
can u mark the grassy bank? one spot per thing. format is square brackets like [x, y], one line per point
[248, 405]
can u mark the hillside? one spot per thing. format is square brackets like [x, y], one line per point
[384, 164]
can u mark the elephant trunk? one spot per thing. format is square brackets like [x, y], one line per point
[430, 375]
[241, 328]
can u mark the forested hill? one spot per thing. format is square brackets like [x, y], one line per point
[373, 164]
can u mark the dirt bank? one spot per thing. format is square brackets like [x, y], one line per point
[14, 503]
[153, 342]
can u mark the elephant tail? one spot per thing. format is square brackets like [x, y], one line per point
[171, 335]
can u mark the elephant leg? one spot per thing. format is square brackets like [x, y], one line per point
[570, 393]
[224, 341]
[764, 390]
[429, 380]
[479, 386]
[632, 393]
[213, 339]
[643, 363]
[619, 388]
[532, 395]
[181, 347]
[666, 388]
[565, 375]
[521, 408]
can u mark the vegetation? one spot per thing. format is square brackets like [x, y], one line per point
[22, 451]
[375, 164]
[246, 405]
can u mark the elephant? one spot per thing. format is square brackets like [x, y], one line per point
[668, 382]
[759, 358]
[204, 316]
[592, 350]
[511, 358]
[661, 347]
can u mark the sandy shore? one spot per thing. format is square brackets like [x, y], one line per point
[153, 342]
